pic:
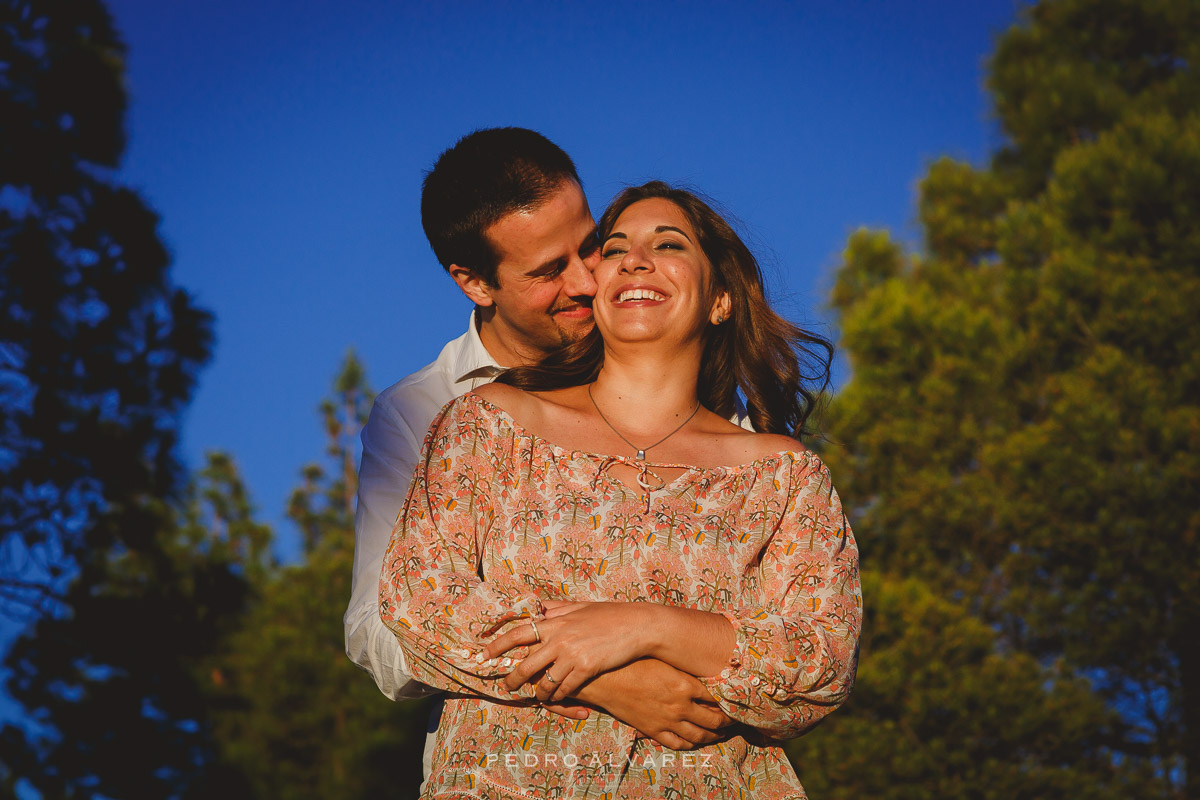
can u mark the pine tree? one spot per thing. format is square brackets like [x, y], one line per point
[119, 690]
[301, 720]
[941, 709]
[98, 350]
[1022, 428]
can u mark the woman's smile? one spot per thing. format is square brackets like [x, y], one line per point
[638, 294]
[651, 261]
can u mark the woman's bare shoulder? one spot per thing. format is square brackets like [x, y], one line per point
[742, 446]
[777, 442]
[498, 394]
[514, 402]
[530, 409]
[752, 446]
[771, 443]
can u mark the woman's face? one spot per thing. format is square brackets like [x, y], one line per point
[654, 282]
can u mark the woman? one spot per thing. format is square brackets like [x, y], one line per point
[601, 509]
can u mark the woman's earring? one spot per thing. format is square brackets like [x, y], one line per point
[720, 319]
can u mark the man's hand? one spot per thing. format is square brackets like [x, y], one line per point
[569, 709]
[660, 702]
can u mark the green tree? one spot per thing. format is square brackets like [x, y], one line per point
[942, 709]
[118, 690]
[1022, 426]
[98, 350]
[299, 719]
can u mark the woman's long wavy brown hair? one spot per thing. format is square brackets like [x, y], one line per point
[780, 368]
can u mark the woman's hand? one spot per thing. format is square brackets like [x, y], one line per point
[662, 703]
[578, 641]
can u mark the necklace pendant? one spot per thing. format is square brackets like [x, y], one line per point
[641, 456]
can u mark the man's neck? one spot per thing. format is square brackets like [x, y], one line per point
[502, 349]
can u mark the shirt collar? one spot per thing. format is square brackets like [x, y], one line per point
[471, 359]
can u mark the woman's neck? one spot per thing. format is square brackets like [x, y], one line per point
[646, 393]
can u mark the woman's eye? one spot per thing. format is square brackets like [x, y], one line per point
[670, 246]
[611, 251]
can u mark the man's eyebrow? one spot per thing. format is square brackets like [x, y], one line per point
[547, 266]
[591, 241]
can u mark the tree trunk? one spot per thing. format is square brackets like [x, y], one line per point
[1189, 685]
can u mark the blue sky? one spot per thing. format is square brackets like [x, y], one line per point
[284, 144]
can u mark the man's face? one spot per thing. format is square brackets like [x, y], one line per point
[542, 295]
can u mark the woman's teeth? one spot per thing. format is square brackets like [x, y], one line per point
[639, 294]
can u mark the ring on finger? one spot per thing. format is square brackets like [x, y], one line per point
[537, 637]
[550, 678]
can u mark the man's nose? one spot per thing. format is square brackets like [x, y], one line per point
[578, 280]
[593, 259]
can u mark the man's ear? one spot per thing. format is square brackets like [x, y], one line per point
[477, 290]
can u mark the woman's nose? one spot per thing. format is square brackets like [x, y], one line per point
[635, 260]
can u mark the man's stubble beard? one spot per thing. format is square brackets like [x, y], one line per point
[571, 336]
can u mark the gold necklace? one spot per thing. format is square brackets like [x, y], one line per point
[641, 451]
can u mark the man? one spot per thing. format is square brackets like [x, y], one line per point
[505, 214]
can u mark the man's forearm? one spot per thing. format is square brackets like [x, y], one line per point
[374, 648]
[384, 475]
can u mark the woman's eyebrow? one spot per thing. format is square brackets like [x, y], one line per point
[659, 229]
[680, 231]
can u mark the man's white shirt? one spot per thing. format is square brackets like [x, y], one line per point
[391, 441]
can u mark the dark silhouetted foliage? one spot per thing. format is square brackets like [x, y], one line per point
[120, 690]
[99, 351]
[198, 667]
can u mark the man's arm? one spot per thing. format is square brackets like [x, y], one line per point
[390, 452]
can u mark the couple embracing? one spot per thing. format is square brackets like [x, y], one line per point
[590, 522]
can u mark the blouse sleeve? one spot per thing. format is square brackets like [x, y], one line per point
[431, 594]
[797, 627]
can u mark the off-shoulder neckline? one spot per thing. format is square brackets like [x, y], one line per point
[574, 452]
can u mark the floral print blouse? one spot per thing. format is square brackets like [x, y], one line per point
[498, 519]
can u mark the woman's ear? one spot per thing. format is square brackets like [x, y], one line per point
[720, 309]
